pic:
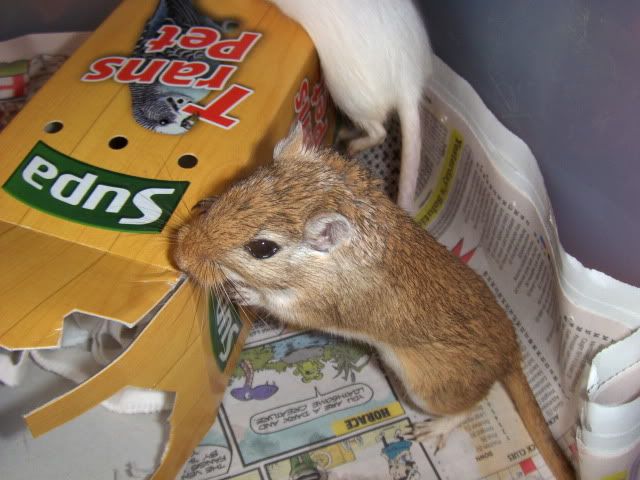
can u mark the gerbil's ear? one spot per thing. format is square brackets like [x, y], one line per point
[292, 145]
[326, 231]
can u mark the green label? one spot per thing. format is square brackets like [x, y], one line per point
[225, 327]
[62, 186]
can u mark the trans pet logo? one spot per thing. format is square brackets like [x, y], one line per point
[62, 186]
[180, 57]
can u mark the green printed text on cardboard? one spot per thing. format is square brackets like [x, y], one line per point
[225, 326]
[62, 186]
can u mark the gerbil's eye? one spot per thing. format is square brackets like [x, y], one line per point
[261, 248]
[164, 122]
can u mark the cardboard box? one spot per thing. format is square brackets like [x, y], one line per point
[90, 194]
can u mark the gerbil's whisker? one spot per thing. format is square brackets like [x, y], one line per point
[251, 314]
[196, 320]
[240, 307]
[226, 294]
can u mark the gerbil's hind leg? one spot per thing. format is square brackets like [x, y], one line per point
[439, 428]
[375, 134]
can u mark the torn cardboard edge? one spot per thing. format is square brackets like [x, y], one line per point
[79, 278]
[182, 330]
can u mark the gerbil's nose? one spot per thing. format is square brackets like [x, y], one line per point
[180, 253]
[180, 263]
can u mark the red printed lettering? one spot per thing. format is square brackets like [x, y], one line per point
[301, 100]
[198, 38]
[311, 110]
[182, 74]
[233, 50]
[131, 73]
[319, 132]
[319, 101]
[218, 78]
[307, 128]
[215, 112]
[103, 69]
[302, 106]
[167, 38]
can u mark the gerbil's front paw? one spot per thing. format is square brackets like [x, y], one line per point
[243, 295]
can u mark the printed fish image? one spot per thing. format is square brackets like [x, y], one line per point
[156, 106]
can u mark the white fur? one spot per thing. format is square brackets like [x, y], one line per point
[278, 302]
[241, 293]
[376, 58]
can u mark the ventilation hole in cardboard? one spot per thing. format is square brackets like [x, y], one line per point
[53, 127]
[118, 142]
[15, 357]
[188, 161]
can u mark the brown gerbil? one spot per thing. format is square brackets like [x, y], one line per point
[313, 240]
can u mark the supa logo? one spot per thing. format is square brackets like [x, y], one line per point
[225, 326]
[54, 183]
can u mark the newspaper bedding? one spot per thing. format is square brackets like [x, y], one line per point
[304, 405]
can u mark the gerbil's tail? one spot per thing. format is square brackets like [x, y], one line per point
[520, 392]
[409, 114]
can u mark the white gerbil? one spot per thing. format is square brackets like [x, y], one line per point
[376, 59]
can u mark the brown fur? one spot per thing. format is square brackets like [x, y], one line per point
[388, 282]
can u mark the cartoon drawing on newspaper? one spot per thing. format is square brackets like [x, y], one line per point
[211, 458]
[381, 450]
[306, 355]
[252, 475]
[303, 389]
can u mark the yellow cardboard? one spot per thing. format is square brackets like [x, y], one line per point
[56, 263]
[173, 354]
